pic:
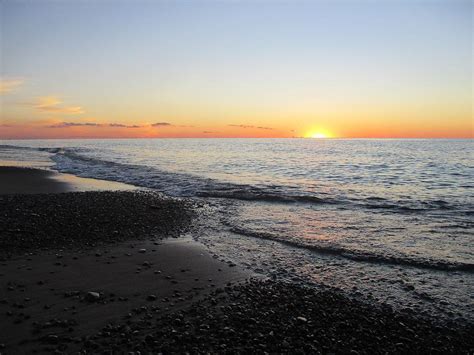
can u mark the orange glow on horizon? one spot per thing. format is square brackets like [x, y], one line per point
[319, 134]
[34, 131]
[332, 127]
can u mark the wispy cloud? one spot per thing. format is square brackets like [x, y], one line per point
[249, 126]
[9, 85]
[123, 125]
[91, 124]
[73, 124]
[53, 104]
[167, 124]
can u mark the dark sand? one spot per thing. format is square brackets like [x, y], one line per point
[26, 181]
[17, 180]
[160, 293]
[44, 295]
[58, 247]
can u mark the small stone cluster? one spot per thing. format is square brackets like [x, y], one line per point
[86, 219]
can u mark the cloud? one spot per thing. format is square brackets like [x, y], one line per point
[167, 124]
[73, 124]
[249, 126]
[91, 124]
[9, 85]
[52, 104]
[122, 125]
[113, 125]
[208, 132]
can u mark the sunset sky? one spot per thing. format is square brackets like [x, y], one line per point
[236, 68]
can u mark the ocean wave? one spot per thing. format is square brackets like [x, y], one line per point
[52, 150]
[249, 194]
[79, 162]
[74, 161]
[7, 146]
[86, 162]
[359, 256]
[184, 185]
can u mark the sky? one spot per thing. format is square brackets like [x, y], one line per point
[229, 68]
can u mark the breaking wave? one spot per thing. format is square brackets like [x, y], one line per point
[440, 219]
[359, 255]
[75, 161]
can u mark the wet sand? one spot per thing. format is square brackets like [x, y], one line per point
[45, 299]
[119, 271]
[20, 180]
[57, 248]
[27, 181]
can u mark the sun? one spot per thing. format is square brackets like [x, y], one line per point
[318, 135]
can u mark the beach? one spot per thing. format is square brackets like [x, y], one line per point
[236, 177]
[119, 270]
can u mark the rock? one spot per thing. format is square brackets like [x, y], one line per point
[151, 298]
[142, 250]
[302, 319]
[92, 296]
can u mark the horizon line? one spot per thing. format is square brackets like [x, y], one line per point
[307, 138]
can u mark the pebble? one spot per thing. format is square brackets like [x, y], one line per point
[92, 296]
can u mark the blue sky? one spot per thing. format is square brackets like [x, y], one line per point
[207, 62]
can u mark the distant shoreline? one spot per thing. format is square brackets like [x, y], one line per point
[265, 138]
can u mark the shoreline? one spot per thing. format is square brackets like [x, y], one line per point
[30, 180]
[58, 246]
[111, 271]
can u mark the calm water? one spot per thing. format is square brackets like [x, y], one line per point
[334, 211]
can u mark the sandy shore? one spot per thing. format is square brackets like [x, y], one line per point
[45, 297]
[18, 180]
[119, 271]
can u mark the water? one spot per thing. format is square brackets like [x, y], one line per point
[388, 218]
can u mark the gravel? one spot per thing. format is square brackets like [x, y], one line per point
[86, 219]
[275, 317]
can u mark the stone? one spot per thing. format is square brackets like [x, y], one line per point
[92, 296]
